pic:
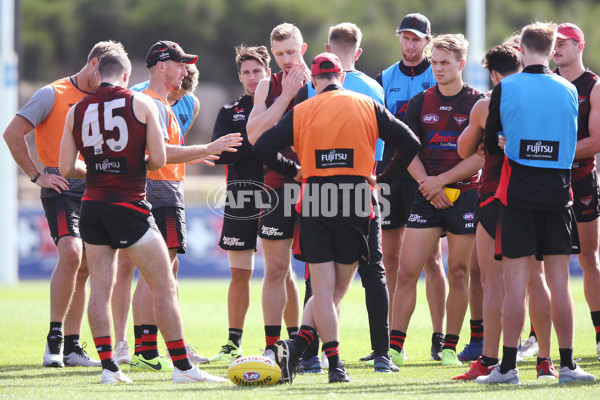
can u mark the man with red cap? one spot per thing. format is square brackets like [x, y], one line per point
[334, 134]
[568, 56]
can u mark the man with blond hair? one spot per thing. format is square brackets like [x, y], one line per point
[274, 96]
[401, 81]
[438, 116]
[536, 217]
[61, 198]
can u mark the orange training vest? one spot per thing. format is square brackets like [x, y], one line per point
[48, 133]
[335, 134]
[169, 172]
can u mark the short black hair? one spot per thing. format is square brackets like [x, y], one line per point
[504, 59]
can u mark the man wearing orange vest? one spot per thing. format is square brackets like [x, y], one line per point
[334, 134]
[166, 61]
[61, 198]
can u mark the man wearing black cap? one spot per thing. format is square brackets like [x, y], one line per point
[401, 81]
[166, 61]
[334, 134]
[568, 56]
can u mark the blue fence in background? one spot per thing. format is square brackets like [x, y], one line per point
[204, 258]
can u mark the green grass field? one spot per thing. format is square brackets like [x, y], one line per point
[24, 325]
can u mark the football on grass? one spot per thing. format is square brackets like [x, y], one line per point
[254, 371]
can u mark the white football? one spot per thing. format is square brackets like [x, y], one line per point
[254, 370]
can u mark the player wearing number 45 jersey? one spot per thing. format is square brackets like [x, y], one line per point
[61, 198]
[112, 128]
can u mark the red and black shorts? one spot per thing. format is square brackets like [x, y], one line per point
[278, 215]
[487, 213]
[526, 232]
[171, 224]
[458, 219]
[62, 212]
[586, 194]
[115, 225]
[400, 198]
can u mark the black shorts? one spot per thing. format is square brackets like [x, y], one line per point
[400, 198]
[238, 234]
[526, 232]
[278, 224]
[118, 226]
[171, 224]
[62, 213]
[487, 212]
[586, 195]
[459, 219]
[341, 240]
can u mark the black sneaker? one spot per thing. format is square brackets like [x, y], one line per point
[287, 358]
[370, 357]
[437, 342]
[338, 374]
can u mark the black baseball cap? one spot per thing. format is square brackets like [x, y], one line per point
[167, 50]
[415, 23]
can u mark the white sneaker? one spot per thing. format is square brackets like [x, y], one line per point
[530, 347]
[324, 360]
[79, 358]
[571, 375]
[193, 355]
[122, 353]
[53, 355]
[511, 377]
[111, 378]
[194, 375]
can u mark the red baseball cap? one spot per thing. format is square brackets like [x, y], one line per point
[326, 62]
[570, 31]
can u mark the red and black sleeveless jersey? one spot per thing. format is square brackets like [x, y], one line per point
[584, 84]
[438, 121]
[112, 142]
[273, 180]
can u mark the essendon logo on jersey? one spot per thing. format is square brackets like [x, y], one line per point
[582, 99]
[431, 118]
[460, 118]
[239, 110]
[442, 139]
[546, 150]
[334, 158]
